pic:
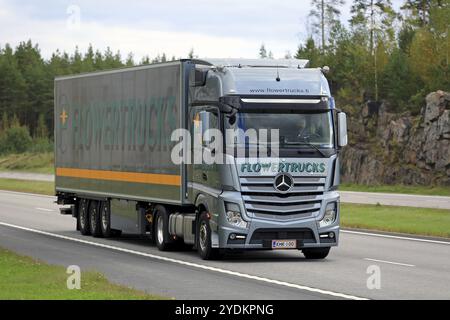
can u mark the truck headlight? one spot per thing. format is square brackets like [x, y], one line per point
[330, 215]
[233, 215]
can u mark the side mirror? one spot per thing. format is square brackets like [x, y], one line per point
[342, 127]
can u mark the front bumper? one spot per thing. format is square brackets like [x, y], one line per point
[261, 232]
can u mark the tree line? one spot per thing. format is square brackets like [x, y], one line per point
[379, 55]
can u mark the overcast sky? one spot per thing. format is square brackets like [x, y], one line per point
[214, 28]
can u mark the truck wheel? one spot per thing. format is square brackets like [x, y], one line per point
[204, 245]
[83, 218]
[316, 253]
[161, 234]
[105, 218]
[94, 219]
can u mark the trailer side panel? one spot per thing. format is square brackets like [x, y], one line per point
[113, 130]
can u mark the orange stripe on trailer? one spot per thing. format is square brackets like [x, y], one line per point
[149, 178]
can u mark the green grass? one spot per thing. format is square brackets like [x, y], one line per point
[417, 221]
[423, 190]
[28, 162]
[28, 279]
[40, 187]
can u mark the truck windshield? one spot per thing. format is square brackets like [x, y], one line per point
[295, 129]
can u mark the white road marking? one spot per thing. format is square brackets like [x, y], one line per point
[190, 264]
[390, 262]
[44, 209]
[395, 237]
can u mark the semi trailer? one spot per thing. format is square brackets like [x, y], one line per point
[116, 148]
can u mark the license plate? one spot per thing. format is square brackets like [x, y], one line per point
[284, 244]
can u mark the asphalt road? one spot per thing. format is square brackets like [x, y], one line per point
[395, 199]
[29, 176]
[409, 268]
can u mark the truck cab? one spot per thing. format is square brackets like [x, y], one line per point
[280, 194]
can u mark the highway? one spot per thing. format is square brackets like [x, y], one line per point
[409, 268]
[396, 199]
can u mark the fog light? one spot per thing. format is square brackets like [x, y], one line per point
[330, 215]
[331, 235]
[232, 236]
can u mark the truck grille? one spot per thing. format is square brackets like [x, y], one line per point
[260, 235]
[302, 201]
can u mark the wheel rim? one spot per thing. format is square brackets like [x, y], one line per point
[93, 220]
[83, 216]
[203, 236]
[159, 231]
[105, 218]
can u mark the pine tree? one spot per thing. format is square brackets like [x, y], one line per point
[191, 54]
[419, 11]
[130, 60]
[376, 16]
[326, 14]
[263, 52]
[13, 88]
[310, 52]
[41, 128]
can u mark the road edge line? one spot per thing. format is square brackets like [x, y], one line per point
[190, 264]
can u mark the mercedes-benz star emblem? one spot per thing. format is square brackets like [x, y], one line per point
[283, 182]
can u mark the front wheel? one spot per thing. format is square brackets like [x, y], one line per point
[316, 253]
[204, 243]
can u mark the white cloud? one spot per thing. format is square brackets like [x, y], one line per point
[219, 28]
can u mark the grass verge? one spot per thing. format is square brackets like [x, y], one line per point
[25, 278]
[28, 162]
[40, 187]
[423, 190]
[417, 221]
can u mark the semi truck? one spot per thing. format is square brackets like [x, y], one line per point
[115, 143]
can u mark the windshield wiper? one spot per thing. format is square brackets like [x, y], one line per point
[305, 143]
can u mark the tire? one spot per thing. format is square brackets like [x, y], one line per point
[203, 238]
[161, 234]
[94, 219]
[83, 217]
[316, 253]
[105, 219]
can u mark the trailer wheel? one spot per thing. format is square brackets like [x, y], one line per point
[203, 237]
[105, 218]
[94, 219]
[316, 253]
[161, 234]
[83, 218]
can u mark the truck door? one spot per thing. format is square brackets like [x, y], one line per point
[200, 174]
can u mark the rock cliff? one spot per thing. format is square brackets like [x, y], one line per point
[389, 148]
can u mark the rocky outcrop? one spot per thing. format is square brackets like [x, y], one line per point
[388, 148]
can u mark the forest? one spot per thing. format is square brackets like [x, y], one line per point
[379, 54]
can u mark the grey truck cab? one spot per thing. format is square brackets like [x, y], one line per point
[278, 201]
[114, 151]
